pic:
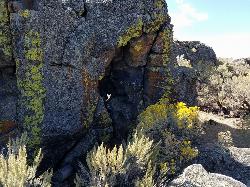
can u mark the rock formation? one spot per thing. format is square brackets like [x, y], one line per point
[69, 55]
[195, 51]
[190, 58]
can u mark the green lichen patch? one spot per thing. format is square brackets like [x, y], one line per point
[32, 45]
[167, 42]
[24, 13]
[30, 83]
[4, 15]
[158, 17]
[167, 39]
[154, 25]
[33, 94]
[132, 32]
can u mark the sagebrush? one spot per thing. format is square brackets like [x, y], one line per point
[15, 170]
[129, 166]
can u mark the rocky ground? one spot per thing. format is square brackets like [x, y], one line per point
[224, 157]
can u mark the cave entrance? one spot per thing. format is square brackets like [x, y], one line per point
[122, 90]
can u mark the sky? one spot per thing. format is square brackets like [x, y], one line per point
[222, 24]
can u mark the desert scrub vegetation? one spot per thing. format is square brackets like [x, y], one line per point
[129, 165]
[223, 88]
[226, 88]
[174, 126]
[15, 170]
[161, 146]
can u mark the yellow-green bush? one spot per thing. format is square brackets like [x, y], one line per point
[14, 168]
[179, 114]
[130, 166]
[174, 126]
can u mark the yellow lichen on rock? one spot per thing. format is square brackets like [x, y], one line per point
[24, 13]
[33, 46]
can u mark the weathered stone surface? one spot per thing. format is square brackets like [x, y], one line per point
[155, 60]
[186, 85]
[155, 83]
[196, 175]
[8, 129]
[139, 50]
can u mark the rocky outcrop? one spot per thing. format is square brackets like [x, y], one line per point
[83, 66]
[195, 52]
[73, 73]
[196, 175]
[6, 53]
[192, 58]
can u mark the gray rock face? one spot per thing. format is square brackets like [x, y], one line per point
[195, 175]
[8, 104]
[69, 55]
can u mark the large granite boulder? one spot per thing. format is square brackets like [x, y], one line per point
[85, 65]
[196, 175]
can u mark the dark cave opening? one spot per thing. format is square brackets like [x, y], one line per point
[122, 90]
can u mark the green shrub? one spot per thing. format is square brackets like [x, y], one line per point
[14, 168]
[131, 166]
[226, 89]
